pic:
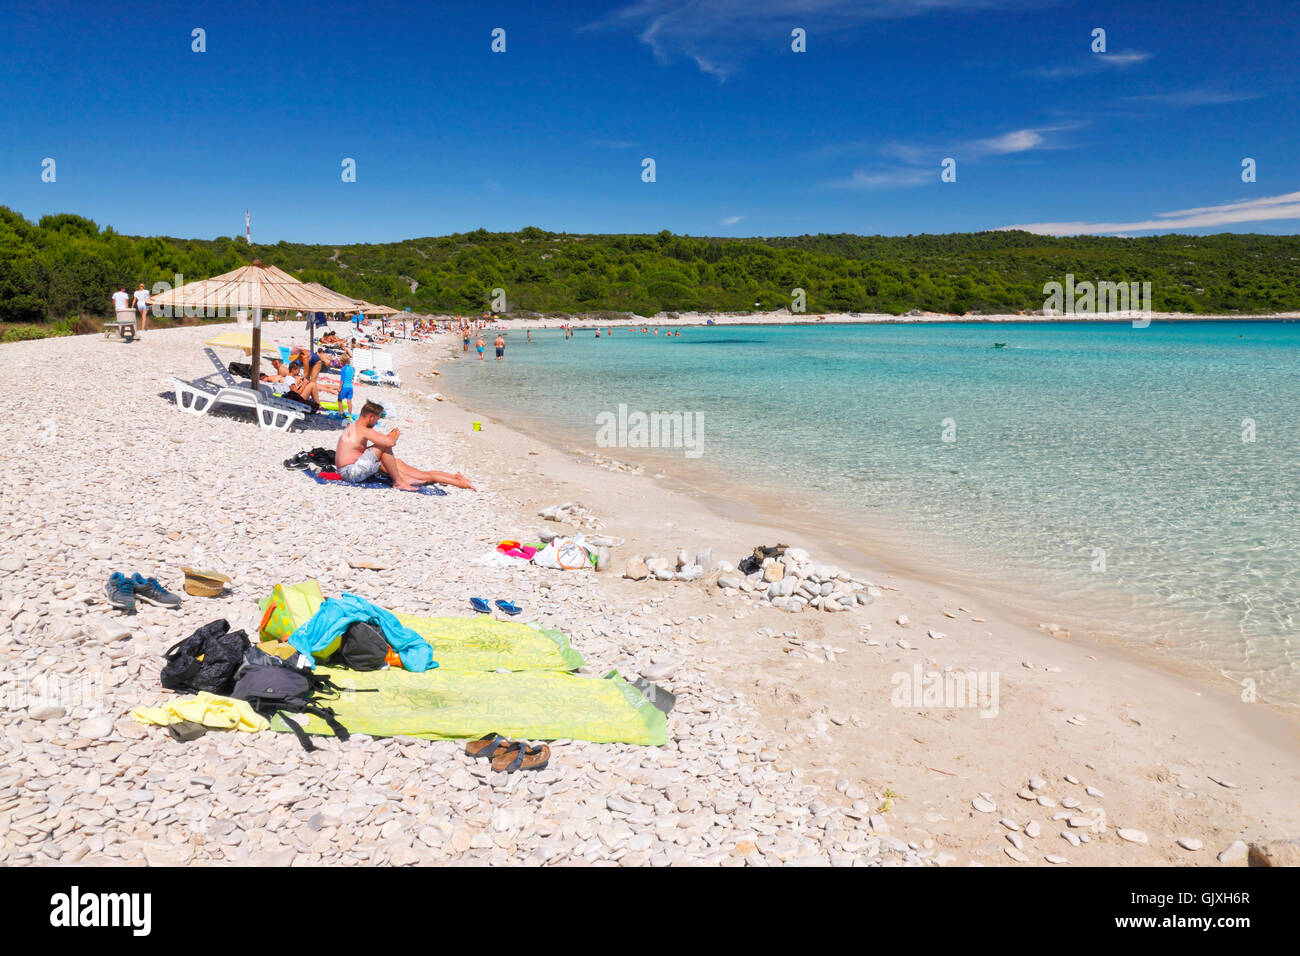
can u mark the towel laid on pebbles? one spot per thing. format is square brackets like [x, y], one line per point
[456, 705]
[377, 481]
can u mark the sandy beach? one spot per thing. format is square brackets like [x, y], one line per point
[789, 742]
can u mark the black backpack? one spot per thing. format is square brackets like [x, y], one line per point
[206, 660]
[272, 689]
[363, 647]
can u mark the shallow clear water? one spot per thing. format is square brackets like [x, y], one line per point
[1115, 461]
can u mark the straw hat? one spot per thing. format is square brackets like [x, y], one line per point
[204, 583]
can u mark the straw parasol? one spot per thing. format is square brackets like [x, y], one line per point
[255, 287]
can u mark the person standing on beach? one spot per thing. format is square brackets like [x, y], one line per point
[142, 305]
[530, 336]
[500, 346]
[480, 346]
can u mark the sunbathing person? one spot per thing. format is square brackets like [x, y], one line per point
[308, 389]
[362, 452]
[281, 373]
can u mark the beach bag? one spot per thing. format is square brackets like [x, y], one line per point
[362, 648]
[294, 605]
[207, 660]
[565, 553]
[281, 689]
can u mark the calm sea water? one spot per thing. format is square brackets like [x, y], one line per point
[1152, 470]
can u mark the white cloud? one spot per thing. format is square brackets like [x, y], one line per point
[1199, 96]
[921, 162]
[1285, 206]
[731, 220]
[718, 34]
[1094, 63]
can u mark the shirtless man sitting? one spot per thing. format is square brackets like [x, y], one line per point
[362, 452]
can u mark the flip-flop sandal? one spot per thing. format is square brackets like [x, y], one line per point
[486, 746]
[509, 607]
[480, 605]
[519, 756]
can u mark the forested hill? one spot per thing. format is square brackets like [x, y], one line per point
[66, 265]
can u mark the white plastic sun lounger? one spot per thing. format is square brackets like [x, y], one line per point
[199, 396]
[378, 362]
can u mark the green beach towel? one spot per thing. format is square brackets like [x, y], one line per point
[452, 705]
[481, 643]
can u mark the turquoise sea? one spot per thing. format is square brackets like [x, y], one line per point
[1148, 479]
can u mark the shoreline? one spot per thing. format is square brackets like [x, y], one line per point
[1185, 686]
[894, 546]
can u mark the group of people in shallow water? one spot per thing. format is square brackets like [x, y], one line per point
[499, 343]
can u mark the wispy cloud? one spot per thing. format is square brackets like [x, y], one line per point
[730, 220]
[614, 143]
[1094, 63]
[718, 34]
[1285, 206]
[1199, 96]
[921, 162]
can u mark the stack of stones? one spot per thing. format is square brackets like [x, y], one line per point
[683, 566]
[793, 582]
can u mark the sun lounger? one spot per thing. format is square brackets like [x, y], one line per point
[200, 395]
[375, 367]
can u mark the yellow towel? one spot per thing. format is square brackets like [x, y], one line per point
[221, 713]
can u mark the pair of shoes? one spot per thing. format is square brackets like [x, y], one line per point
[508, 756]
[123, 592]
[482, 607]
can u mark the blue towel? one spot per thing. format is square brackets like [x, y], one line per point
[374, 481]
[335, 614]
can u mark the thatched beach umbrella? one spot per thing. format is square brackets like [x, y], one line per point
[255, 287]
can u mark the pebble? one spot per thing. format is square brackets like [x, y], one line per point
[97, 728]
[1054, 858]
[1132, 836]
[1032, 829]
[984, 805]
[1190, 843]
[1233, 852]
[45, 712]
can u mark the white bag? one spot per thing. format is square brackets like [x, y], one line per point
[568, 554]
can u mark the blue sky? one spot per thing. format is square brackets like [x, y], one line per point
[748, 137]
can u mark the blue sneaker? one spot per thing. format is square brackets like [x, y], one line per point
[120, 591]
[151, 592]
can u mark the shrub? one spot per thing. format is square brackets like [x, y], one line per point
[25, 333]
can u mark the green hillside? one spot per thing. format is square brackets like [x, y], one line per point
[67, 266]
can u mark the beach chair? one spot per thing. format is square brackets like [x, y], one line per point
[201, 395]
[382, 364]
